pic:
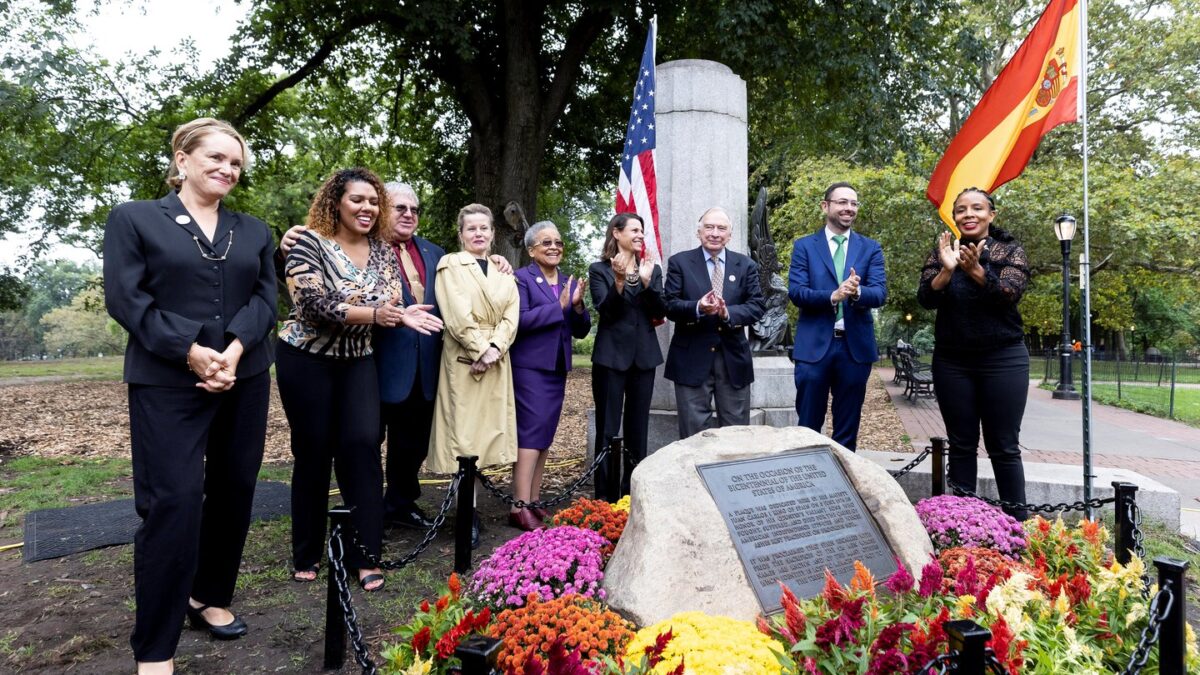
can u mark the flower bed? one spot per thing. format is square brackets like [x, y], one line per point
[1051, 594]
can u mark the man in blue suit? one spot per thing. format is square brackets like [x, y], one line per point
[712, 295]
[836, 278]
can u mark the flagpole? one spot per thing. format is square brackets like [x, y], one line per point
[1085, 268]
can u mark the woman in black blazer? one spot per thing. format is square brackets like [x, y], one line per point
[193, 284]
[627, 291]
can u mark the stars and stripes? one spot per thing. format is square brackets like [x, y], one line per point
[637, 189]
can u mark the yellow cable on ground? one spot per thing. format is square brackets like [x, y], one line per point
[10, 547]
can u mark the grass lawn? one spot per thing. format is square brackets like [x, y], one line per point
[1149, 400]
[92, 368]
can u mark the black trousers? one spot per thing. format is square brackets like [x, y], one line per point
[614, 392]
[407, 425]
[989, 390]
[332, 407]
[196, 457]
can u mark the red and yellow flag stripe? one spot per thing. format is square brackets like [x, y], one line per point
[1036, 91]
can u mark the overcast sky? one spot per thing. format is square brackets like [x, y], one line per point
[137, 27]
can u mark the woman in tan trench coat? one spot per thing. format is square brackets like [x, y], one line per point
[475, 413]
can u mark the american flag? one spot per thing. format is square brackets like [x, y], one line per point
[637, 190]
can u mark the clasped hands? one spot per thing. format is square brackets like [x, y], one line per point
[489, 359]
[848, 288]
[624, 263]
[954, 254]
[217, 370]
[417, 317]
[713, 304]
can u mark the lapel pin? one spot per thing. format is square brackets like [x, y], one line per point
[182, 220]
[732, 278]
[540, 280]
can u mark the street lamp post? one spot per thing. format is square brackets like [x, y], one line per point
[1064, 229]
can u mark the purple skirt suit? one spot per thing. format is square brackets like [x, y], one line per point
[541, 356]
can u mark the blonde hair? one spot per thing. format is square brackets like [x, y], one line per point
[472, 209]
[188, 136]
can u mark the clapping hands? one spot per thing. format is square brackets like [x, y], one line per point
[713, 305]
[848, 288]
[571, 296]
[954, 254]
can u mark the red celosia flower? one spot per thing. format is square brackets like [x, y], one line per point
[442, 603]
[931, 579]
[484, 618]
[425, 606]
[455, 585]
[654, 652]
[1008, 650]
[679, 670]
[901, 581]
[834, 593]
[793, 616]
[890, 662]
[840, 630]
[421, 640]
[967, 581]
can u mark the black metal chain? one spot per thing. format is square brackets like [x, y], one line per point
[430, 534]
[943, 664]
[1134, 514]
[337, 567]
[1160, 606]
[993, 664]
[913, 464]
[633, 461]
[1081, 505]
[545, 503]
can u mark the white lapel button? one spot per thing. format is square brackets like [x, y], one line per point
[182, 220]
[732, 278]
[540, 280]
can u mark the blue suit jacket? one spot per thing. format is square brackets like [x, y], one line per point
[544, 331]
[811, 280]
[401, 352]
[697, 338]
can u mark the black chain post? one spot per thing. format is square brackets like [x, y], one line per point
[464, 516]
[969, 639]
[478, 654]
[1125, 493]
[1172, 645]
[335, 617]
[938, 471]
[616, 453]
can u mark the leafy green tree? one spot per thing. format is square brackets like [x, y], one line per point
[83, 328]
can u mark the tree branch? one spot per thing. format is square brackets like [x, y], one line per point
[583, 35]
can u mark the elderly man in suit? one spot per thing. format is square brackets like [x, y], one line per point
[836, 278]
[712, 295]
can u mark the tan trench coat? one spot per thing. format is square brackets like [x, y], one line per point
[475, 414]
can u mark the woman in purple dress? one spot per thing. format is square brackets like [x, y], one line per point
[552, 312]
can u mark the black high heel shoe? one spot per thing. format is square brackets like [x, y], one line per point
[230, 631]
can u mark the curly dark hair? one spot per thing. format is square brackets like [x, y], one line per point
[323, 213]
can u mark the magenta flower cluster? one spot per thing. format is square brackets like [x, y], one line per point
[966, 521]
[551, 562]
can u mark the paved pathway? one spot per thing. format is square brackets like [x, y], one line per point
[1167, 451]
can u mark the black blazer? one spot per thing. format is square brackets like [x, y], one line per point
[697, 340]
[160, 289]
[625, 334]
[401, 352]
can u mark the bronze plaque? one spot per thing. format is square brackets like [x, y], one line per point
[791, 517]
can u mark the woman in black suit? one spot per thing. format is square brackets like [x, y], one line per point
[627, 291]
[193, 284]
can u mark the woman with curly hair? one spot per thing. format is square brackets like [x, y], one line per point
[343, 279]
[980, 363]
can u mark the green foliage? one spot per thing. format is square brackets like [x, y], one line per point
[91, 368]
[83, 328]
[30, 483]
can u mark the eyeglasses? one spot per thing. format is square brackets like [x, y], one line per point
[208, 256]
[843, 203]
[547, 243]
[405, 208]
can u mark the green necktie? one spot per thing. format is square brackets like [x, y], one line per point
[839, 264]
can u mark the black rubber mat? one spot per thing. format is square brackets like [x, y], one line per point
[53, 533]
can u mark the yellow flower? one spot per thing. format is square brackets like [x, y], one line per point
[710, 645]
[965, 606]
[1061, 604]
[419, 667]
[622, 504]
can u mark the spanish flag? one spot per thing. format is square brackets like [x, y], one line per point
[1036, 91]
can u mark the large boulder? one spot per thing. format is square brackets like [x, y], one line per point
[676, 553]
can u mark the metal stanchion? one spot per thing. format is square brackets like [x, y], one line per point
[1124, 543]
[938, 468]
[335, 617]
[1172, 641]
[613, 469]
[464, 515]
[478, 654]
[969, 639]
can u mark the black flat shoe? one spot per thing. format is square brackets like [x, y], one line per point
[230, 631]
[411, 517]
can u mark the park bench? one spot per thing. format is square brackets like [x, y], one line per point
[918, 381]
